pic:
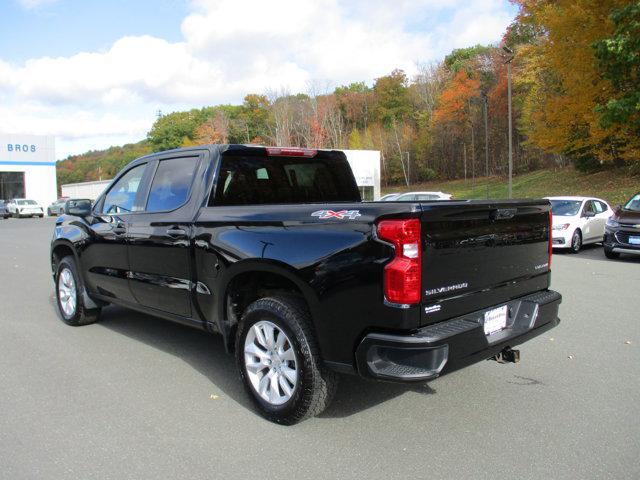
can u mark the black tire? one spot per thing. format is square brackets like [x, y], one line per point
[610, 254]
[576, 241]
[81, 315]
[316, 384]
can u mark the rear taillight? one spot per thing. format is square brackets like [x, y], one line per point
[291, 152]
[403, 275]
[550, 237]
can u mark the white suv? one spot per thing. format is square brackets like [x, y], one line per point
[23, 207]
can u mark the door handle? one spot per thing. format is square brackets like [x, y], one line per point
[120, 229]
[175, 232]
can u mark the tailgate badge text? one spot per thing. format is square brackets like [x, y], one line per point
[448, 288]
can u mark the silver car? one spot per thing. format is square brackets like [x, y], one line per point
[57, 207]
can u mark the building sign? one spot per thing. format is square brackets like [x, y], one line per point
[365, 165]
[27, 149]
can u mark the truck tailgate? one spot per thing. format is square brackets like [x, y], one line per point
[479, 254]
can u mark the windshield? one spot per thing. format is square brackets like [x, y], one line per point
[26, 202]
[634, 203]
[565, 208]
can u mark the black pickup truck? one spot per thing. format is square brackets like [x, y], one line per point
[273, 249]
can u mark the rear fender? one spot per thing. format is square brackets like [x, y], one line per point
[258, 266]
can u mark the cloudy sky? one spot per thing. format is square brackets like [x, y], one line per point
[94, 73]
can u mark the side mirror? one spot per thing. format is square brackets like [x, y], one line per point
[78, 208]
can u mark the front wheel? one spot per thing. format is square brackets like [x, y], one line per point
[279, 362]
[576, 242]
[69, 296]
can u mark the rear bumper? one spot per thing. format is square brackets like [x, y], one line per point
[452, 344]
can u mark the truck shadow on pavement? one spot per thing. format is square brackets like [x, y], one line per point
[206, 353]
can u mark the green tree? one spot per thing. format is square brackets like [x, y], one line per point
[393, 102]
[465, 58]
[619, 62]
[173, 130]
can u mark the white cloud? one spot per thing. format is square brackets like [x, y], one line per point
[31, 4]
[230, 48]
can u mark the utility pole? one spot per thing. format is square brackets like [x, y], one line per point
[508, 62]
[486, 142]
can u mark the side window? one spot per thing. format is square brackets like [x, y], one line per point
[122, 195]
[597, 206]
[424, 197]
[601, 207]
[588, 207]
[171, 184]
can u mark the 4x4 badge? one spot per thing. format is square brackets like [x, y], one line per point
[350, 214]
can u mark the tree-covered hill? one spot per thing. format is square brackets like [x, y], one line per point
[575, 89]
[99, 164]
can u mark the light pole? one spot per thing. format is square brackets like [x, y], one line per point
[486, 141]
[508, 62]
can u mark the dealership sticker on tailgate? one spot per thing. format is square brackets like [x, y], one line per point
[495, 320]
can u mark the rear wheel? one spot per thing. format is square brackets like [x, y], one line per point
[609, 253]
[279, 361]
[576, 241]
[69, 295]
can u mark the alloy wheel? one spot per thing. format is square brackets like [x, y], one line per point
[270, 362]
[67, 292]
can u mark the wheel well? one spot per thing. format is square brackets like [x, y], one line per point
[248, 287]
[579, 233]
[58, 253]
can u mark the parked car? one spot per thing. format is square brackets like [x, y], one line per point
[622, 230]
[274, 249]
[389, 196]
[4, 211]
[23, 207]
[422, 196]
[57, 207]
[578, 221]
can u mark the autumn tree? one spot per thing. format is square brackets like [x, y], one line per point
[559, 114]
[454, 117]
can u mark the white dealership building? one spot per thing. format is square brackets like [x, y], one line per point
[28, 168]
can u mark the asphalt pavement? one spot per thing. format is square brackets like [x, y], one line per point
[134, 397]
